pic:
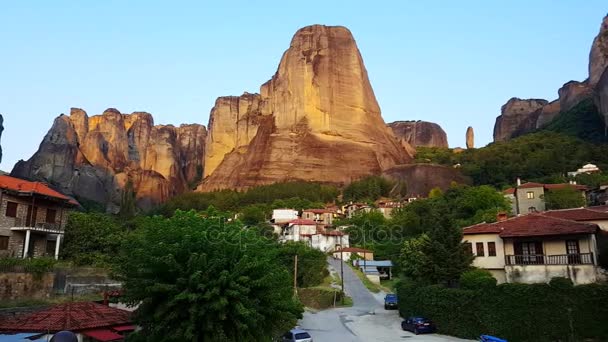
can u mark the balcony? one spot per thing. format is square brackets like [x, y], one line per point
[20, 224]
[539, 259]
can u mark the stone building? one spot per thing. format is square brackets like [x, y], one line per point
[32, 218]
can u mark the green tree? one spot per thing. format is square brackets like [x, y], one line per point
[91, 238]
[312, 263]
[564, 198]
[198, 279]
[368, 189]
[128, 202]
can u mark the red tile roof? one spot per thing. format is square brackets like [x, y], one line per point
[69, 316]
[532, 225]
[509, 191]
[578, 214]
[354, 250]
[24, 187]
[602, 208]
[552, 186]
[333, 233]
[317, 211]
[302, 222]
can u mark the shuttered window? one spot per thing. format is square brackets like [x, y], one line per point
[479, 249]
[11, 209]
[491, 248]
[3, 243]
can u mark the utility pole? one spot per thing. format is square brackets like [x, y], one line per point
[295, 276]
[364, 255]
[342, 267]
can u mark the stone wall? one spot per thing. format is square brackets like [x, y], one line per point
[25, 285]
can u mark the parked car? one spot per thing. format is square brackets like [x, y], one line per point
[488, 338]
[418, 325]
[390, 301]
[297, 335]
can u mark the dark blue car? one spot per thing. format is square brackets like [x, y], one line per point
[418, 325]
[390, 301]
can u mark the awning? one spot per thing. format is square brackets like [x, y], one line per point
[124, 328]
[102, 335]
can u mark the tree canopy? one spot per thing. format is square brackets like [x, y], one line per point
[201, 279]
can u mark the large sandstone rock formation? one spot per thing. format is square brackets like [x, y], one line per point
[517, 116]
[422, 178]
[601, 98]
[317, 119]
[420, 133]
[94, 157]
[536, 115]
[598, 56]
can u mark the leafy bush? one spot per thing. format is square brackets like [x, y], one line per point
[312, 264]
[368, 189]
[516, 312]
[477, 278]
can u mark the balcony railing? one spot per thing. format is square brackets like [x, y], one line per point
[539, 259]
[20, 222]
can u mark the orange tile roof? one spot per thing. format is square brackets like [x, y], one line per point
[578, 214]
[354, 249]
[69, 316]
[302, 222]
[532, 225]
[24, 187]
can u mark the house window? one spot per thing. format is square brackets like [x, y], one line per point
[11, 209]
[479, 249]
[469, 247]
[50, 247]
[530, 195]
[3, 243]
[491, 248]
[532, 210]
[573, 251]
[51, 214]
[529, 252]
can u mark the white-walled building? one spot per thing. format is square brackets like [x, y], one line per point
[534, 248]
[284, 215]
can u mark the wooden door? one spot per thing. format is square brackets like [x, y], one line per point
[30, 219]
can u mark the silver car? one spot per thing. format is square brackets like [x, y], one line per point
[297, 335]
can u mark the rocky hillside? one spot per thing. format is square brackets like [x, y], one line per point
[420, 179]
[520, 116]
[317, 119]
[420, 133]
[94, 157]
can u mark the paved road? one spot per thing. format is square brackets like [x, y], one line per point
[365, 321]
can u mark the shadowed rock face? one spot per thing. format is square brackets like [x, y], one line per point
[317, 119]
[422, 178]
[94, 157]
[601, 98]
[420, 133]
[598, 56]
[517, 116]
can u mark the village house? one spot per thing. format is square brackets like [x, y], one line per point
[32, 218]
[352, 209]
[386, 206]
[314, 234]
[530, 197]
[89, 321]
[284, 215]
[534, 248]
[322, 216]
[360, 253]
[586, 169]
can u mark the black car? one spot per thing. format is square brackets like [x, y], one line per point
[418, 325]
[390, 301]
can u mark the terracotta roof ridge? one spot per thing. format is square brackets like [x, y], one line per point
[564, 219]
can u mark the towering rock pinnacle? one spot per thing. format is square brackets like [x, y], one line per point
[517, 116]
[470, 137]
[94, 157]
[317, 119]
[420, 133]
[598, 57]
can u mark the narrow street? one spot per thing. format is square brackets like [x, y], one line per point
[365, 321]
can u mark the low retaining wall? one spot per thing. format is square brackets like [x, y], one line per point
[16, 285]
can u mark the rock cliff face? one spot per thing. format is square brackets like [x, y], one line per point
[598, 57]
[420, 133]
[317, 119]
[529, 117]
[94, 157]
[601, 96]
[422, 178]
[517, 116]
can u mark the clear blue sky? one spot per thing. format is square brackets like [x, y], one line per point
[450, 62]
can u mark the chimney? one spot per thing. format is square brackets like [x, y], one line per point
[518, 181]
[501, 216]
